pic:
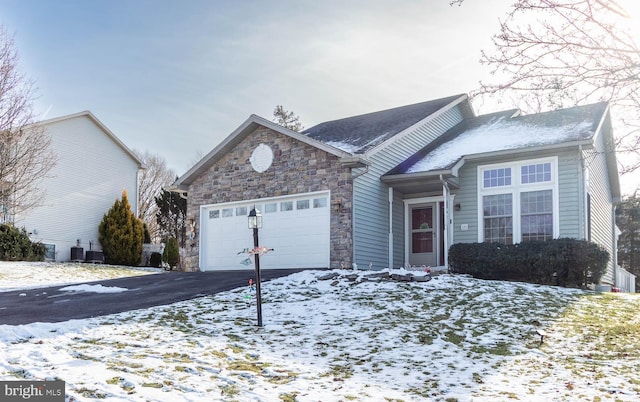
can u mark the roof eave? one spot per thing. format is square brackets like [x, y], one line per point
[97, 122]
[540, 148]
[240, 133]
[354, 161]
[604, 127]
[455, 167]
[408, 177]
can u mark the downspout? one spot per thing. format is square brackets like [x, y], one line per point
[582, 225]
[614, 245]
[353, 214]
[445, 193]
[390, 227]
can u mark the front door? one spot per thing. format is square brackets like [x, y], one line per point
[424, 233]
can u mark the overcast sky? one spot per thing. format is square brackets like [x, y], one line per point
[176, 77]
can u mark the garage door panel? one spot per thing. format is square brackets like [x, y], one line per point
[299, 237]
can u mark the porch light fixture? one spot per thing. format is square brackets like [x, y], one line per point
[456, 207]
[255, 223]
[337, 205]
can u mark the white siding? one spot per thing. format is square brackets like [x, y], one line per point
[91, 172]
[371, 197]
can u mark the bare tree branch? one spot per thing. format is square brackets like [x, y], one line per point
[153, 178]
[551, 54]
[26, 157]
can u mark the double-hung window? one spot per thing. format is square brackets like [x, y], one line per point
[518, 201]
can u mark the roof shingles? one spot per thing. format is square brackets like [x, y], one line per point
[358, 134]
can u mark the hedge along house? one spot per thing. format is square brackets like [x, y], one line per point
[399, 186]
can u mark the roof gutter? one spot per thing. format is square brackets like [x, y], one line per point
[354, 161]
[409, 177]
[581, 143]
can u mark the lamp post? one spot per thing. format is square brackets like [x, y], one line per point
[255, 223]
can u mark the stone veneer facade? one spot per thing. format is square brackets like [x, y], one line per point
[297, 168]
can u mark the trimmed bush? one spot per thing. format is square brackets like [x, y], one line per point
[562, 262]
[15, 245]
[155, 260]
[171, 253]
[38, 252]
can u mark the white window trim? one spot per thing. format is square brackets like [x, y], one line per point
[516, 188]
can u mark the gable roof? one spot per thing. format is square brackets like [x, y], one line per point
[102, 127]
[360, 134]
[233, 139]
[506, 131]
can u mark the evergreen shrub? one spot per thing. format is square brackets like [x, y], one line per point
[15, 245]
[562, 262]
[171, 253]
[147, 234]
[121, 234]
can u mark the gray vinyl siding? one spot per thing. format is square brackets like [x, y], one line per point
[371, 196]
[398, 230]
[570, 195]
[467, 197]
[602, 231]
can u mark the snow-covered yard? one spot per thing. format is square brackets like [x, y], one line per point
[451, 339]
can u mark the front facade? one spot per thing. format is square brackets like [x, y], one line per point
[93, 168]
[398, 187]
[510, 178]
[303, 189]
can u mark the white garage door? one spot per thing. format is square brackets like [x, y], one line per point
[296, 227]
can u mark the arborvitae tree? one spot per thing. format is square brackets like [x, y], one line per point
[171, 253]
[147, 234]
[121, 234]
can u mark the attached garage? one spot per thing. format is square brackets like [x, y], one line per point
[297, 227]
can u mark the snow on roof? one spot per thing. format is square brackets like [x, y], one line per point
[498, 135]
[354, 147]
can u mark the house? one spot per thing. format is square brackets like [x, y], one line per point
[93, 168]
[399, 186]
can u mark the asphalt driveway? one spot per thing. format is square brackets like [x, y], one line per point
[53, 305]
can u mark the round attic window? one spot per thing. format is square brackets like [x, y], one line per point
[261, 158]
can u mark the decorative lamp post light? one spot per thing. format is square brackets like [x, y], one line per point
[255, 223]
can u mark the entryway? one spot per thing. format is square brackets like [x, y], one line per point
[425, 233]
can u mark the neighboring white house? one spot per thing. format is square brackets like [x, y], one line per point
[93, 168]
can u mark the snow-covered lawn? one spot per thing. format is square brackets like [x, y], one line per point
[23, 275]
[451, 339]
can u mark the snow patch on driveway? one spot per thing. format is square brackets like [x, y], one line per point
[93, 289]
